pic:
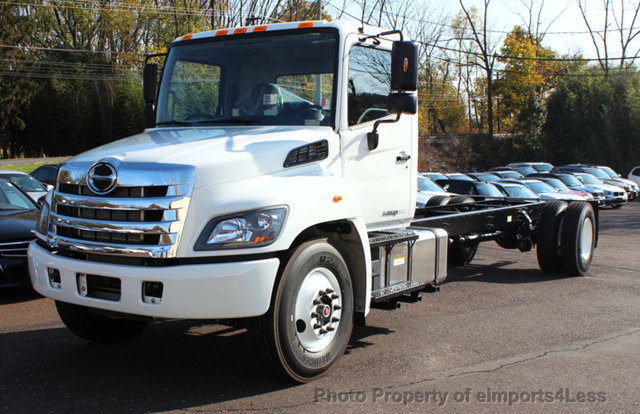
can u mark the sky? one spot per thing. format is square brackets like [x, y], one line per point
[566, 33]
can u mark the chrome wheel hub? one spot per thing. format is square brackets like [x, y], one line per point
[318, 309]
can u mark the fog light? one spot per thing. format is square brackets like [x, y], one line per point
[152, 292]
[54, 278]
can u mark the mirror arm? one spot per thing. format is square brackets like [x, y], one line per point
[373, 137]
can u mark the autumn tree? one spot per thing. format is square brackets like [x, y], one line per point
[486, 55]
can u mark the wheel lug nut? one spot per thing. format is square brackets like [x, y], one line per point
[330, 328]
[337, 307]
[317, 326]
[322, 293]
[329, 290]
[334, 319]
[314, 315]
[334, 296]
[322, 331]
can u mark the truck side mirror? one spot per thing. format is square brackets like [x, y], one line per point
[403, 103]
[404, 66]
[149, 84]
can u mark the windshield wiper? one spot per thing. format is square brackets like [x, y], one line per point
[230, 120]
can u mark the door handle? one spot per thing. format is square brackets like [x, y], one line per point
[402, 157]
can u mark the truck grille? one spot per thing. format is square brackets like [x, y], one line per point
[14, 250]
[142, 216]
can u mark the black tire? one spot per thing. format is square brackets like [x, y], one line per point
[616, 205]
[290, 342]
[462, 254]
[547, 236]
[577, 240]
[461, 199]
[97, 327]
[437, 201]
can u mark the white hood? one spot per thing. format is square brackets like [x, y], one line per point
[220, 154]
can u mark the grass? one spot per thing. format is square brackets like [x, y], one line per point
[28, 168]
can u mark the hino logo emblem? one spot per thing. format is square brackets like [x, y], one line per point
[102, 178]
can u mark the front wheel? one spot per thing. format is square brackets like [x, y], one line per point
[308, 326]
[97, 327]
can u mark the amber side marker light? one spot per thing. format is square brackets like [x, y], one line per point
[337, 199]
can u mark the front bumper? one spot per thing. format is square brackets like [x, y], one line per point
[202, 291]
[616, 200]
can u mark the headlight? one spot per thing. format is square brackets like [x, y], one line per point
[255, 228]
[42, 226]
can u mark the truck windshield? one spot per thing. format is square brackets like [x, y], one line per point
[263, 79]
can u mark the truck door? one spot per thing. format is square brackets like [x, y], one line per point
[384, 179]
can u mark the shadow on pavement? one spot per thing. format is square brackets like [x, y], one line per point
[173, 365]
[499, 273]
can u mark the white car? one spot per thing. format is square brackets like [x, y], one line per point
[29, 185]
[634, 174]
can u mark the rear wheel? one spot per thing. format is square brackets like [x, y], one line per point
[578, 238]
[462, 254]
[437, 201]
[547, 237]
[97, 327]
[308, 326]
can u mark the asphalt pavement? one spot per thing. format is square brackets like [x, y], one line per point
[499, 336]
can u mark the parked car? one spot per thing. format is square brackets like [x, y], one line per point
[599, 174]
[573, 183]
[614, 175]
[484, 176]
[634, 175]
[433, 176]
[524, 169]
[560, 187]
[506, 173]
[46, 174]
[615, 196]
[515, 190]
[544, 190]
[18, 217]
[460, 176]
[26, 183]
[538, 166]
[468, 187]
[428, 189]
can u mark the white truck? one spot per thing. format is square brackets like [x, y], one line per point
[276, 186]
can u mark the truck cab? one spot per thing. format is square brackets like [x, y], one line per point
[274, 154]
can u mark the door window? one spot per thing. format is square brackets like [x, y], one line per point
[369, 84]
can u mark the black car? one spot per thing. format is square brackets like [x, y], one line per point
[18, 217]
[46, 174]
[468, 187]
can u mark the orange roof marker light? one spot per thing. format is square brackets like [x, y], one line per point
[337, 198]
[260, 28]
[240, 30]
[222, 32]
[305, 25]
[187, 36]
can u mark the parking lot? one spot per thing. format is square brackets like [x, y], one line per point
[500, 335]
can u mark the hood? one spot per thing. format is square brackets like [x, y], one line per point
[220, 154]
[17, 225]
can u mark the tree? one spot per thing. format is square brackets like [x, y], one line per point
[626, 33]
[486, 56]
[16, 88]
